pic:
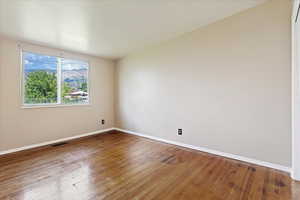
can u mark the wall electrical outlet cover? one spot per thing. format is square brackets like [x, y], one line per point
[179, 131]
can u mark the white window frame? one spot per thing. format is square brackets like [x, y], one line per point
[59, 103]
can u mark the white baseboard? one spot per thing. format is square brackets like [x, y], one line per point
[294, 175]
[215, 152]
[54, 141]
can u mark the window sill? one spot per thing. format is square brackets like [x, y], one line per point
[53, 106]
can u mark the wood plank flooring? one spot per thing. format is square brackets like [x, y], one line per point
[121, 166]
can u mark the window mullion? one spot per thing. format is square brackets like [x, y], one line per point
[59, 73]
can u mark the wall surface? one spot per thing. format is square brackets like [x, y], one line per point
[296, 92]
[21, 127]
[227, 85]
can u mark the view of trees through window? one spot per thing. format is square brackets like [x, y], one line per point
[41, 75]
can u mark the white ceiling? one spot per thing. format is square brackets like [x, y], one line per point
[110, 28]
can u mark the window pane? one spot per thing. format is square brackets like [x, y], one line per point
[40, 76]
[74, 82]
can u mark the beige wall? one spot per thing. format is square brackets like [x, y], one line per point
[21, 127]
[227, 85]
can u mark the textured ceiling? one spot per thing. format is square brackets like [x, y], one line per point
[110, 28]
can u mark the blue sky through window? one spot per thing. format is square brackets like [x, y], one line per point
[35, 62]
[68, 64]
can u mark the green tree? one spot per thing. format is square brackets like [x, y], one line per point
[83, 87]
[66, 89]
[41, 87]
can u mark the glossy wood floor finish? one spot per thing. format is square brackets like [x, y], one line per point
[122, 166]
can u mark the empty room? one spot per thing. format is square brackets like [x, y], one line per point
[160, 100]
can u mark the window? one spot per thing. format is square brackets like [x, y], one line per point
[50, 80]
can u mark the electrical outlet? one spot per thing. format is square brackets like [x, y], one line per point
[179, 131]
[102, 121]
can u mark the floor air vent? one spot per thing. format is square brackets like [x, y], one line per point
[59, 144]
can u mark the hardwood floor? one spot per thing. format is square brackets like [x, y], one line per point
[122, 166]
